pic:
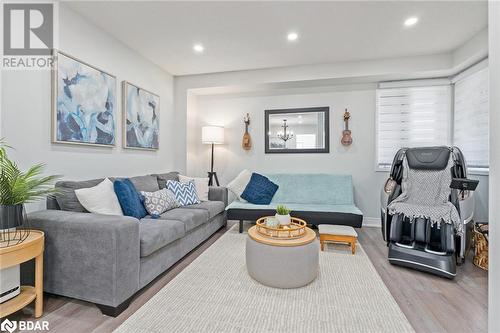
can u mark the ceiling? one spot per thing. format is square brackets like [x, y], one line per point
[252, 35]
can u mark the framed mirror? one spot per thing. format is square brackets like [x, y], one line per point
[304, 130]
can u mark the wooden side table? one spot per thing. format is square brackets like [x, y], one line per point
[31, 248]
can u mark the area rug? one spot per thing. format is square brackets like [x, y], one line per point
[215, 294]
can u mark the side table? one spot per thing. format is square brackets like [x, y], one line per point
[31, 248]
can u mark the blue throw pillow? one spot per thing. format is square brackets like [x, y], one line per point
[130, 200]
[185, 193]
[260, 190]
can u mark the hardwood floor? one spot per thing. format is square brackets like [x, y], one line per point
[430, 303]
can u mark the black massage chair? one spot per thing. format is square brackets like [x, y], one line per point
[418, 244]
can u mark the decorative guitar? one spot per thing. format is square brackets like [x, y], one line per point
[246, 143]
[346, 133]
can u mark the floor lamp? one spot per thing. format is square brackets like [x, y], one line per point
[212, 135]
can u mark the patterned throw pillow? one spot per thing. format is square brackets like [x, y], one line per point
[157, 203]
[201, 185]
[185, 193]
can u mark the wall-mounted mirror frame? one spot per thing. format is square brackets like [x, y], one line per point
[323, 114]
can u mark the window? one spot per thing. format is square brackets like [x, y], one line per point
[306, 141]
[471, 118]
[411, 117]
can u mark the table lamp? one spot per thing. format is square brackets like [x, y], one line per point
[213, 135]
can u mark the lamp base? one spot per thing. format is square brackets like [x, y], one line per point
[211, 176]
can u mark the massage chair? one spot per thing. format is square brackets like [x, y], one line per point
[417, 243]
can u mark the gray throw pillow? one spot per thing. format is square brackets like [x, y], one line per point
[157, 203]
[145, 183]
[163, 177]
[66, 197]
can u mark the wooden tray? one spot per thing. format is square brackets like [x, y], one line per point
[296, 229]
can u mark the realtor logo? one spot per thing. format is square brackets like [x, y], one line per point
[28, 29]
[8, 326]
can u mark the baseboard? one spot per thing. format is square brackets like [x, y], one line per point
[371, 222]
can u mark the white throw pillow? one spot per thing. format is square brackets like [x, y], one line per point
[238, 184]
[201, 185]
[100, 199]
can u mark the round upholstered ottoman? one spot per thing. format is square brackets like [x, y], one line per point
[282, 263]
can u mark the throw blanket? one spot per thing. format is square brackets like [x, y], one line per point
[425, 194]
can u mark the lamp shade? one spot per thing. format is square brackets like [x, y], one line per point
[212, 134]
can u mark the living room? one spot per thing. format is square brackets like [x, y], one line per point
[298, 111]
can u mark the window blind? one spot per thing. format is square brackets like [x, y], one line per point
[412, 117]
[470, 131]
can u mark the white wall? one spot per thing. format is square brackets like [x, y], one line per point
[26, 109]
[306, 86]
[358, 160]
[494, 245]
[299, 77]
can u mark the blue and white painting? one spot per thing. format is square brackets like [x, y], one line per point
[141, 117]
[85, 103]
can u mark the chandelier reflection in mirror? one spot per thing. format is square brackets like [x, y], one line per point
[285, 135]
[301, 130]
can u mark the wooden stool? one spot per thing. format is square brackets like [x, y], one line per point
[337, 233]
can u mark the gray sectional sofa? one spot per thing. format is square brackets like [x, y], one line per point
[106, 259]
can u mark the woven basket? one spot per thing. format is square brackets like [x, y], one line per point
[481, 246]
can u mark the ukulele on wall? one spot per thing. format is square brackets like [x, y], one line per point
[346, 133]
[246, 143]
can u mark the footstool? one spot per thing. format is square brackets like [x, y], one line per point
[337, 233]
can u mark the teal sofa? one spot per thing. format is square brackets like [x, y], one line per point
[316, 198]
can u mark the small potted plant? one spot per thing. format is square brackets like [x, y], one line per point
[17, 188]
[283, 215]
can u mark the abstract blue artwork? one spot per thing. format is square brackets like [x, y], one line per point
[141, 117]
[85, 102]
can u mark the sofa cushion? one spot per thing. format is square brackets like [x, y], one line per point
[163, 177]
[260, 190]
[159, 202]
[66, 197]
[185, 193]
[191, 218]
[201, 185]
[312, 214]
[299, 207]
[213, 207]
[145, 183]
[155, 234]
[130, 200]
[100, 199]
[323, 189]
[238, 184]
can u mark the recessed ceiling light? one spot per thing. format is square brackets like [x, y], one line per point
[292, 36]
[198, 48]
[411, 21]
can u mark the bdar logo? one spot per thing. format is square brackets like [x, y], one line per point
[8, 326]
